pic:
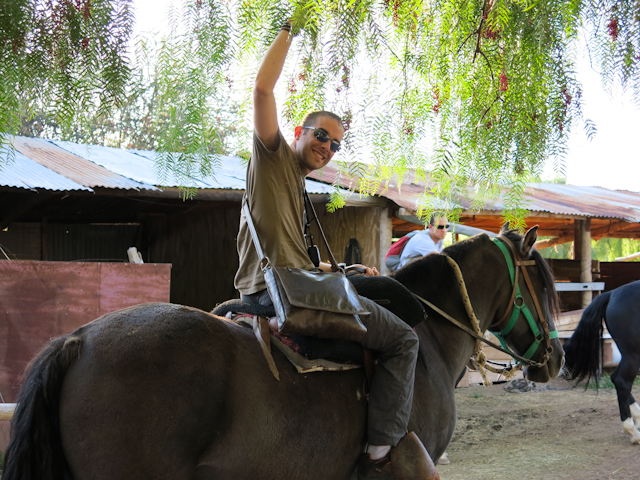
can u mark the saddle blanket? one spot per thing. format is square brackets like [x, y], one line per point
[292, 350]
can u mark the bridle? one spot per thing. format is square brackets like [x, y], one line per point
[519, 308]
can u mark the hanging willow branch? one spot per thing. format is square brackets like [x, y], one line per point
[403, 74]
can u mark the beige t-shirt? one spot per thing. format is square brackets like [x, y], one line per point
[276, 200]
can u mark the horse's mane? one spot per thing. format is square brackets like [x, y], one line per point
[414, 270]
[460, 250]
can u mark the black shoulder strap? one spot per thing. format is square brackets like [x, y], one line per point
[309, 206]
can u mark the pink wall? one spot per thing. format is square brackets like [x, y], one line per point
[42, 300]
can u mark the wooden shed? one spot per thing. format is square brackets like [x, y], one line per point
[61, 201]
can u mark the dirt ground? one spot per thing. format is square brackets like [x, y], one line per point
[554, 432]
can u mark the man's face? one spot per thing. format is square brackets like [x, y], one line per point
[312, 153]
[438, 233]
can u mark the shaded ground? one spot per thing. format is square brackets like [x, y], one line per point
[554, 433]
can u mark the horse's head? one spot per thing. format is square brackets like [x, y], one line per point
[527, 324]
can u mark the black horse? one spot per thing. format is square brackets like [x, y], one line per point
[619, 310]
[166, 391]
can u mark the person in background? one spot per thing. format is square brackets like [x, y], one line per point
[430, 240]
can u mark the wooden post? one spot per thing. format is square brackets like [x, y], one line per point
[582, 252]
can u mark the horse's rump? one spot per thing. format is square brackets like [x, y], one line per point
[36, 450]
[153, 391]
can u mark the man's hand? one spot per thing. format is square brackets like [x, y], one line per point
[363, 270]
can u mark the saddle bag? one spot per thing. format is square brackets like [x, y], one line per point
[311, 302]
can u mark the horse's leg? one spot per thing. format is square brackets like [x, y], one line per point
[623, 378]
[635, 412]
[634, 408]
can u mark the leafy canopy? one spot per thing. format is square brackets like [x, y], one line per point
[61, 56]
[476, 95]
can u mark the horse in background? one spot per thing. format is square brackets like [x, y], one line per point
[619, 310]
[167, 391]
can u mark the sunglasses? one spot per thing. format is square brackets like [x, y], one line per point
[440, 227]
[323, 136]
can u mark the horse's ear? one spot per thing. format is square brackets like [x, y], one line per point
[505, 229]
[529, 240]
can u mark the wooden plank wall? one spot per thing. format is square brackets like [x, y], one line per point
[361, 223]
[616, 274]
[613, 274]
[21, 241]
[201, 246]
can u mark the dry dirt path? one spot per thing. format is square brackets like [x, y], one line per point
[558, 433]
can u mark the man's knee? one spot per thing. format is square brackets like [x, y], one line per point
[411, 342]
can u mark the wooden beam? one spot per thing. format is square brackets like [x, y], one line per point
[552, 242]
[596, 234]
[385, 236]
[604, 232]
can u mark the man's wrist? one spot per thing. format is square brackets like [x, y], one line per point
[286, 26]
[290, 28]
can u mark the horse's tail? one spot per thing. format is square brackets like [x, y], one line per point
[583, 351]
[35, 450]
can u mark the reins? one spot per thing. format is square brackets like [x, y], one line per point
[478, 360]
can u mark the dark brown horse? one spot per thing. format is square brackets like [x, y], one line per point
[165, 391]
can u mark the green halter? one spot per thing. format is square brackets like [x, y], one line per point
[519, 308]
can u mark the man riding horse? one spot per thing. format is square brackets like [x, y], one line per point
[275, 195]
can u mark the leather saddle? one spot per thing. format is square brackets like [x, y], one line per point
[385, 291]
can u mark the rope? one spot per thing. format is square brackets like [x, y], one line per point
[479, 360]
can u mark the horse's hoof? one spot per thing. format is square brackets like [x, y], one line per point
[629, 427]
[444, 459]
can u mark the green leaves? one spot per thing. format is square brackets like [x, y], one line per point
[480, 93]
[63, 56]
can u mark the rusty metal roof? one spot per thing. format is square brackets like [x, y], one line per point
[67, 166]
[72, 166]
[21, 172]
[567, 201]
[590, 202]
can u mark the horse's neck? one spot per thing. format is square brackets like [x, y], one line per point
[487, 288]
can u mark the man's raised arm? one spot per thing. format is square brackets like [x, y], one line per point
[265, 116]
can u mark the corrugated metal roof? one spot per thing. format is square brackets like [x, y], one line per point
[74, 167]
[25, 173]
[229, 173]
[558, 199]
[61, 165]
[133, 164]
[57, 165]
[595, 202]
